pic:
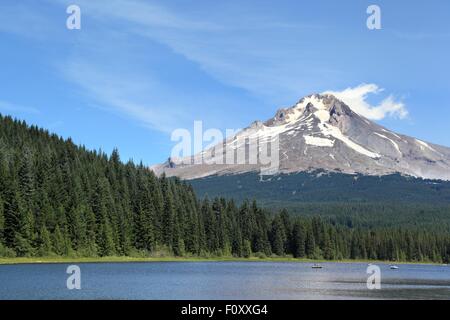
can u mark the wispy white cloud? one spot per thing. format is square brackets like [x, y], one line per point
[143, 13]
[11, 107]
[17, 18]
[419, 35]
[232, 48]
[126, 93]
[356, 98]
[250, 52]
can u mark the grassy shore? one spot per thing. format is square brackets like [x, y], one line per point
[38, 260]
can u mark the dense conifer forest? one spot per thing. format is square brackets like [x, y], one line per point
[59, 199]
[321, 186]
[354, 200]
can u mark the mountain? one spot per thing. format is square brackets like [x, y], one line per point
[320, 132]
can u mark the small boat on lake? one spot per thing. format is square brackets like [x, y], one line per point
[316, 266]
[394, 267]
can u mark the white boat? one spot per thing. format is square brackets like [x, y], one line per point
[394, 267]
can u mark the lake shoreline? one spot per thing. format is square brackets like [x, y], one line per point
[65, 260]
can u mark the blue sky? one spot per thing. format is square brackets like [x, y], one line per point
[137, 70]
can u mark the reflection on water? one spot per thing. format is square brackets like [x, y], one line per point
[223, 280]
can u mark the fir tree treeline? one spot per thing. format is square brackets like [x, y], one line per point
[57, 198]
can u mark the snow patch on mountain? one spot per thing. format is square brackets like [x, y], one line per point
[424, 145]
[392, 141]
[318, 142]
[323, 114]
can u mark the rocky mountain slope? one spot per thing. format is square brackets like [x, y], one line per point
[321, 132]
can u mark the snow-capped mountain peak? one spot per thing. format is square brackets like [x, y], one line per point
[322, 132]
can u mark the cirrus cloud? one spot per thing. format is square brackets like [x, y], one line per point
[12, 107]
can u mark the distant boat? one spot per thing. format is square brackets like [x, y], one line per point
[394, 267]
[317, 266]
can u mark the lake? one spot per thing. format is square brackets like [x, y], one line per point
[223, 280]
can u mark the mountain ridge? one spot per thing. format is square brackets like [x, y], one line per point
[320, 132]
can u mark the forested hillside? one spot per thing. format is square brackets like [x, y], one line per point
[354, 200]
[321, 186]
[57, 198]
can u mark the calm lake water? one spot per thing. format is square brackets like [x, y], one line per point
[223, 280]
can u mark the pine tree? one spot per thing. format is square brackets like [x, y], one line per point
[328, 251]
[168, 213]
[58, 241]
[310, 245]
[91, 247]
[26, 179]
[284, 215]
[45, 243]
[2, 221]
[278, 236]
[106, 240]
[11, 214]
[299, 240]
[246, 249]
